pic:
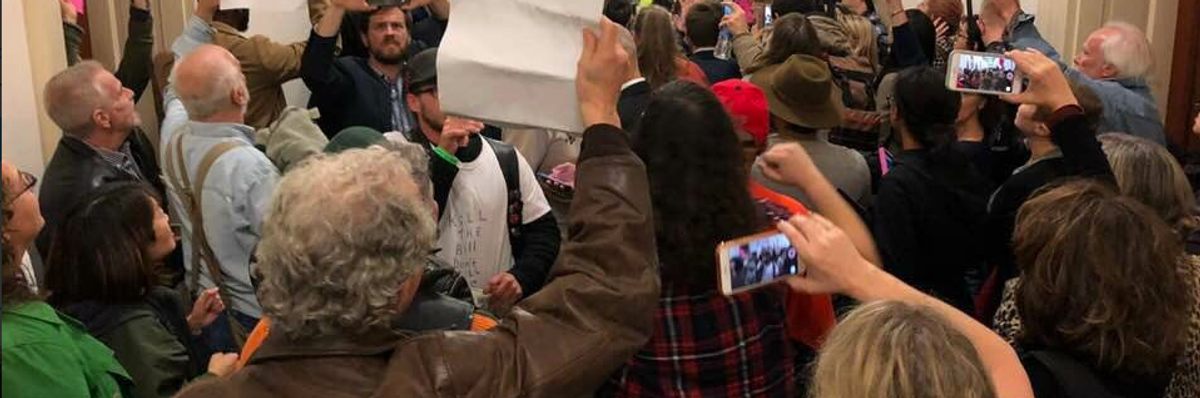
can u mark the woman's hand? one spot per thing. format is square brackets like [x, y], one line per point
[206, 310]
[601, 72]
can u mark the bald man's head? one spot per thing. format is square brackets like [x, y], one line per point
[210, 84]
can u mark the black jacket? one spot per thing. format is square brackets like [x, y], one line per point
[632, 105]
[717, 70]
[1082, 157]
[929, 222]
[76, 169]
[347, 90]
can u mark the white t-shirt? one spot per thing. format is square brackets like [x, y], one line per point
[473, 232]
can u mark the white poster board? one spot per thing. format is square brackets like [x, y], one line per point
[513, 62]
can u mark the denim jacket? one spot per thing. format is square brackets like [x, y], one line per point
[236, 191]
[1128, 105]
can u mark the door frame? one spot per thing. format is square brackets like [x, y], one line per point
[1185, 78]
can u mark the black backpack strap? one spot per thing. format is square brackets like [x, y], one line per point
[1075, 380]
[509, 166]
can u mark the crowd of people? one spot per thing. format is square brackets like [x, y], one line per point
[1040, 244]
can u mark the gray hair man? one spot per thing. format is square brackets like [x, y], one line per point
[102, 140]
[219, 184]
[1115, 62]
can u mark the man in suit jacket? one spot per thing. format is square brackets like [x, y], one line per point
[703, 26]
[635, 93]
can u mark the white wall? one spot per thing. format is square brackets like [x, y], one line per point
[284, 28]
[22, 142]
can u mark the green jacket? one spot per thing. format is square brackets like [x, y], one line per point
[50, 355]
[134, 71]
[155, 357]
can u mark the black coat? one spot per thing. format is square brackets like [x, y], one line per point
[76, 169]
[717, 70]
[632, 105]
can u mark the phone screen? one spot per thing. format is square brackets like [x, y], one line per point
[989, 73]
[768, 16]
[760, 261]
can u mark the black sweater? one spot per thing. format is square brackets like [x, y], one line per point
[929, 217]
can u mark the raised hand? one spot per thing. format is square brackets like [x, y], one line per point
[205, 9]
[600, 73]
[832, 264]
[736, 20]
[788, 163]
[69, 13]
[353, 5]
[456, 133]
[1047, 89]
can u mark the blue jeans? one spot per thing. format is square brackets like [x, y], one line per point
[217, 337]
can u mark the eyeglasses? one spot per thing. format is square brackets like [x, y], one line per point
[30, 182]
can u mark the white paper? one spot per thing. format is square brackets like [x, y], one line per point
[263, 5]
[513, 62]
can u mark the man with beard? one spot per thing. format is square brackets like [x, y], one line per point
[266, 64]
[353, 91]
[504, 258]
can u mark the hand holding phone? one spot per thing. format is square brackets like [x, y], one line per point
[1048, 87]
[983, 73]
[755, 261]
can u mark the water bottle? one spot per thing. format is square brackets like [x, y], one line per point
[724, 49]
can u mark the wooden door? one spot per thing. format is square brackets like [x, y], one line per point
[1184, 101]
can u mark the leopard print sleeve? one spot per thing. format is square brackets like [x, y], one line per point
[1185, 380]
[1007, 323]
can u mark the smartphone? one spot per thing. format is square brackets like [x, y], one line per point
[728, 9]
[387, 3]
[768, 16]
[555, 183]
[983, 73]
[757, 260]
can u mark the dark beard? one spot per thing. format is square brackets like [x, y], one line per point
[435, 125]
[385, 59]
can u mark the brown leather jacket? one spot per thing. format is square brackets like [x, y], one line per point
[594, 313]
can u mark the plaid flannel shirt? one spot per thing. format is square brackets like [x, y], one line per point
[711, 345]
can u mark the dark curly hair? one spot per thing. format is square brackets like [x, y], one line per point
[697, 185]
[1101, 279]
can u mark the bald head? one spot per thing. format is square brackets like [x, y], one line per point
[211, 86]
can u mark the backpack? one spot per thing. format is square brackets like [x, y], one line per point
[861, 121]
[510, 167]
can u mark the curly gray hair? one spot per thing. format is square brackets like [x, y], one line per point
[341, 236]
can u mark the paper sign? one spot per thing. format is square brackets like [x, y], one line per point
[263, 5]
[513, 62]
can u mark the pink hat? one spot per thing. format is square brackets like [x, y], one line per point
[747, 105]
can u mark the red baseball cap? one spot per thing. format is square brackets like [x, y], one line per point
[747, 106]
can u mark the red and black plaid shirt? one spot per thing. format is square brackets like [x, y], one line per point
[714, 346]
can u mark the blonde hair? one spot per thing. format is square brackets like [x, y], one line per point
[899, 350]
[862, 33]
